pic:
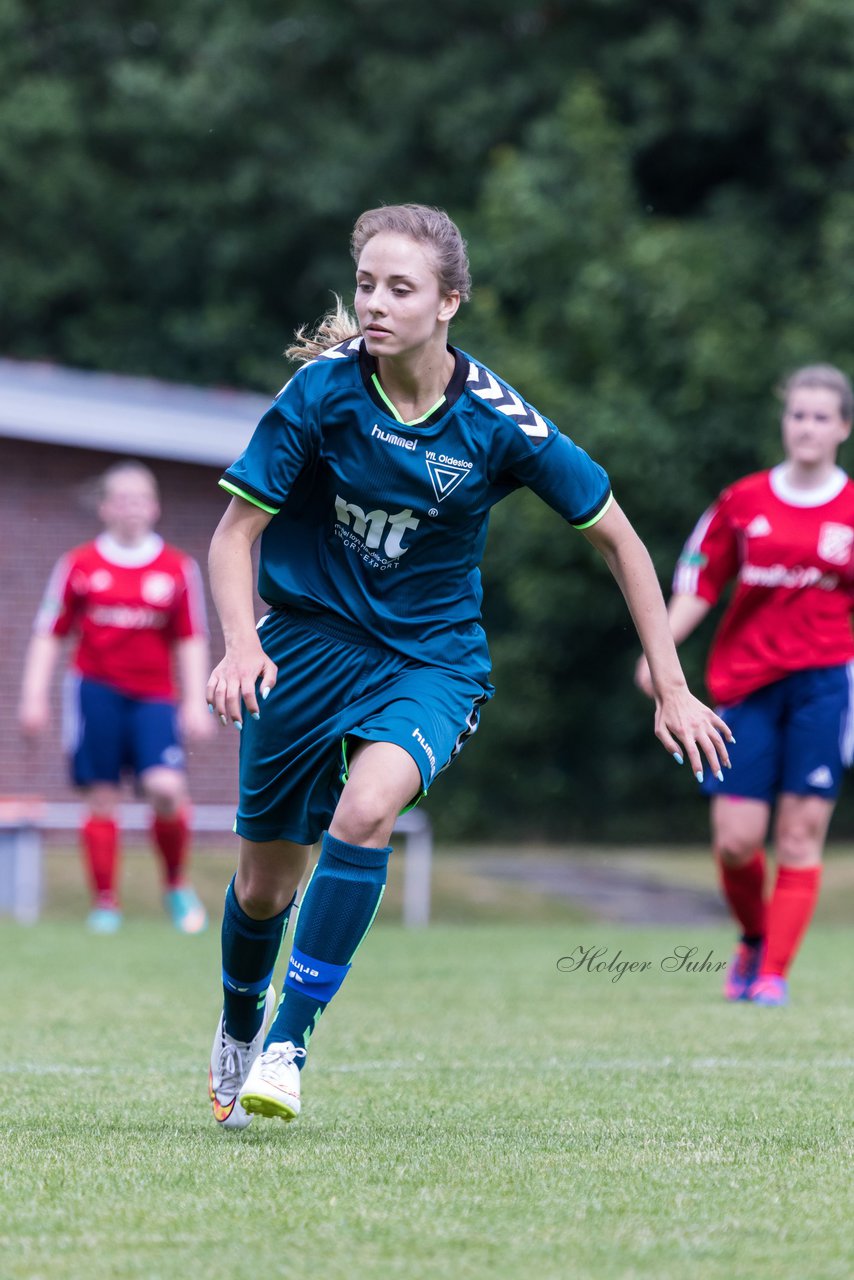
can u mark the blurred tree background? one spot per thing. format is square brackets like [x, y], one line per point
[659, 200]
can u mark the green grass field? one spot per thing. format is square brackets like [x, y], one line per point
[469, 1109]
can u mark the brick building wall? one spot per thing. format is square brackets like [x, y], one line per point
[42, 514]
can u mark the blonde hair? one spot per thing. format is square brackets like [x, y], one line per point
[92, 492]
[428, 226]
[129, 466]
[422, 223]
[829, 378]
[336, 326]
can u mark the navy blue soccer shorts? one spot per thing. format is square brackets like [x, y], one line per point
[795, 735]
[107, 733]
[337, 685]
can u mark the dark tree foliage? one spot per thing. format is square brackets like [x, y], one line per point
[659, 200]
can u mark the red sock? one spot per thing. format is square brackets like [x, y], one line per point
[744, 890]
[172, 840]
[99, 838]
[789, 912]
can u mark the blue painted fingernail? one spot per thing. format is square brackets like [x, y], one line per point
[265, 692]
[238, 724]
[677, 756]
[256, 715]
[210, 708]
[720, 775]
[699, 775]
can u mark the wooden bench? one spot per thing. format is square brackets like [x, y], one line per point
[25, 819]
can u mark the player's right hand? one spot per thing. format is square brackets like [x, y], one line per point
[33, 718]
[233, 683]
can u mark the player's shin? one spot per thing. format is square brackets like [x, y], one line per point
[99, 839]
[336, 913]
[171, 839]
[744, 889]
[249, 952]
[789, 913]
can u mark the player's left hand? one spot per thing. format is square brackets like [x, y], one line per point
[690, 730]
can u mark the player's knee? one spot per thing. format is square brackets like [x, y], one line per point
[166, 792]
[735, 850]
[798, 849]
[364, 816]
[102, 801]
[801, 830]
[260, 897]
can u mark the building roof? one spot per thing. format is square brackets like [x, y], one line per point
[138, 416]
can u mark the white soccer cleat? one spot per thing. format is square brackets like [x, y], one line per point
[231, 1061]
[272, 1087]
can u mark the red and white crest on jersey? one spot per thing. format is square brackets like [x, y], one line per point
[791, 556]
[834, 542]
[157, 588]
[129, 607]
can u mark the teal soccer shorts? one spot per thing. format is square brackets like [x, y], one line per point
[337, 684]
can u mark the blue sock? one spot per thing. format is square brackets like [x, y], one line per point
[336, 913]
[249, 952]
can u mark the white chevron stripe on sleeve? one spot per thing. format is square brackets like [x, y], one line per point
[485, 385]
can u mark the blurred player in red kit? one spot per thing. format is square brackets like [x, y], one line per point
[133, 603]
[780, 668]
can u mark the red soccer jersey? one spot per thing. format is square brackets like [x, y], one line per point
[129, 606]
[794, 570]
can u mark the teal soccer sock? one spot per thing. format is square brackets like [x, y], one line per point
[250, 949]
[336, 913]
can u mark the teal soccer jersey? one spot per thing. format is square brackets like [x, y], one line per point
[384, 522]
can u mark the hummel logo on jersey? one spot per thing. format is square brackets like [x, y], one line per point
[388, 437]
[820, 777]
[446, 473]
[422, 741]
[369, 527]
[759, 527]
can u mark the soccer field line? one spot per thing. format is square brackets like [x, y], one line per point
[419, 1066]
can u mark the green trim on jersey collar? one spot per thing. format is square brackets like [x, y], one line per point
[415, 421]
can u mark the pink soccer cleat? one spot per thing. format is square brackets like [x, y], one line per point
[742, 970]
[770, 990]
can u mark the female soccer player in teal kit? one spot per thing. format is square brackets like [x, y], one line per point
[370, 481]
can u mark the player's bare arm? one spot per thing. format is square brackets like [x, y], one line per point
[684, 613]
[233, 680]
[193, 658]
[680, 717]
[39, 665]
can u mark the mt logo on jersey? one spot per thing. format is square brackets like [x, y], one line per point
[379, 534]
